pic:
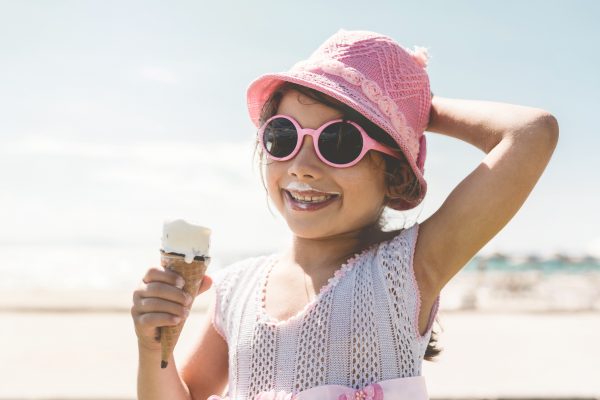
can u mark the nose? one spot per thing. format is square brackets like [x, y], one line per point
[306, 163]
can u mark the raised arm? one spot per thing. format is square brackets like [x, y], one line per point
[519, 142]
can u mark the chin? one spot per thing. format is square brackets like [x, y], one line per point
[307, 231]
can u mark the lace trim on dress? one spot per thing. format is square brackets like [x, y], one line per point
[413, 277]
[331, 283]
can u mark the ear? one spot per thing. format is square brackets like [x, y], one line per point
[399, 184]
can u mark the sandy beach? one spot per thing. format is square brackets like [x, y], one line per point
[72, 345]
[119, 116]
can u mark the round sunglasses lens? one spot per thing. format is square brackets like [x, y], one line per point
[280, 137]
[340, 143]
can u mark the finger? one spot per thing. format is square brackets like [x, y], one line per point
[157, 274]
[150, 321]
[154, 305]
[138, 294]
[167, 292]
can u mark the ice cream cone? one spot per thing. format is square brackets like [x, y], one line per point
[192, 273]
[184, 249]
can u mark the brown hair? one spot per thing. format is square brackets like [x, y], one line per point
[399, 177]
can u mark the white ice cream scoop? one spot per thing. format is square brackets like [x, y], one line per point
[184, 238]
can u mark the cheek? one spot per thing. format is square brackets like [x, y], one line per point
[272, 174]
[365, 187]
[366, 175]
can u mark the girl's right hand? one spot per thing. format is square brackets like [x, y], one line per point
[160, 301]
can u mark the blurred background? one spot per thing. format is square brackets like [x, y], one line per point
[118, 115]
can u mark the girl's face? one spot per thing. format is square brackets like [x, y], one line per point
[361, 187]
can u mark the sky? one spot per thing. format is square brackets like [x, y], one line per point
[117, 115]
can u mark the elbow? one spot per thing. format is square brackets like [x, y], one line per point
[551, 126]
[547, 128]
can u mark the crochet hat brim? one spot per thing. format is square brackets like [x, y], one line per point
[261, 88]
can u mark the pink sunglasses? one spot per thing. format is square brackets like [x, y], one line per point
[338, 143]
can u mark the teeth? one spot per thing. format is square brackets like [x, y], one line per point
[311, 199]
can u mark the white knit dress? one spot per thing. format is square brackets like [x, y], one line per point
[360, 329]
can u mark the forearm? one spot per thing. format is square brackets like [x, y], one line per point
[155, 383]
[485, 123]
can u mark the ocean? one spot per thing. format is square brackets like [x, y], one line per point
[498, 282]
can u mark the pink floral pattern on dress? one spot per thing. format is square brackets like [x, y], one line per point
[369, 392]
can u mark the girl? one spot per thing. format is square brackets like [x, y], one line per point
[347, 311]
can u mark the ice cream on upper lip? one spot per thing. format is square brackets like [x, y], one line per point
[303, 191]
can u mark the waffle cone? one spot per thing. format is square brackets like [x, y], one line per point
[193, 274]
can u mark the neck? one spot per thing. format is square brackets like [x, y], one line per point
[330, 252]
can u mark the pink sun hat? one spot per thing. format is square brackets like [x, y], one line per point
[374, 75]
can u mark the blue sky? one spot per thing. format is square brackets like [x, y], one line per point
[115, 115]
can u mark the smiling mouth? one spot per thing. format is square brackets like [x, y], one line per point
[313, 203]
[310, 199]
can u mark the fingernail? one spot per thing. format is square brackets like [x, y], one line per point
[186, 312]
[180, 283]
[188, 299]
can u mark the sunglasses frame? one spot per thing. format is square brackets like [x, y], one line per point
[368, 143]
